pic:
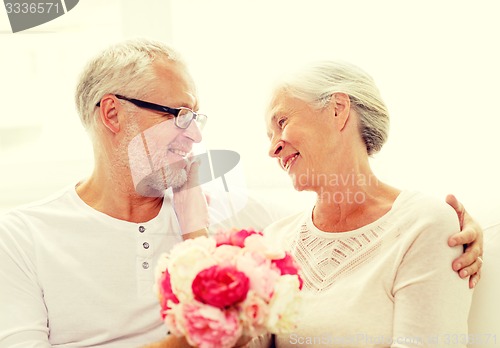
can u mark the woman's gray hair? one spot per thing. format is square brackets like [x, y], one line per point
[125, 68]
[317, 83]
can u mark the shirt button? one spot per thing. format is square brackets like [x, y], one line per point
[145, 245]
[145, 265]
[142, 229]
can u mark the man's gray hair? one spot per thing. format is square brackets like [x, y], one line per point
[125, 68]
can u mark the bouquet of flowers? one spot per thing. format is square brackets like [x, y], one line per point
[214, 290]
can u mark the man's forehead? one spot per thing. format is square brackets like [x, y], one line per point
[175, 85]
[171, 71]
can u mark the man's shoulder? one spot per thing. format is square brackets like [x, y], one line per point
[44, 207]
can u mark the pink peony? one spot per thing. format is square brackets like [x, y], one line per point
[222, 238]
[209, 327]
[238, 238]
[254, 311]
[220, 286]
[165, 292]
[174, 319]
[287, 265]
[258, 269]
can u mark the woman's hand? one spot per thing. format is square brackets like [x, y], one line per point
[190, 205]
[471, 236]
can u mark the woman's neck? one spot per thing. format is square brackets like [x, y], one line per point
[352, 199]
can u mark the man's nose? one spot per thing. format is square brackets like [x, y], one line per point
[193, 132]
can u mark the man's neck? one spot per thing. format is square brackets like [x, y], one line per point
[118, 201]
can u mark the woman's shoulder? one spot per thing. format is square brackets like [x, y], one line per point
[425, 204]
[427, 211]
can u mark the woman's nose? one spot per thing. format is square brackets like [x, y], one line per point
[275, 149]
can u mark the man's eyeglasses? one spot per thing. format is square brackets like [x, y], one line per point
[183, 116]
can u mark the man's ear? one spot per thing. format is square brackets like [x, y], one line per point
[108, 112]
[342, 108]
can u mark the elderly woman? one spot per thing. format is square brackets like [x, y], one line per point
[374, 258]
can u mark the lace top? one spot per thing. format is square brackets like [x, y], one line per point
[324, 260]
[386, 284]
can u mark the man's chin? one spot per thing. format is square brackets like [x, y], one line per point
[155, 184]
[145, 189]
[178, 180]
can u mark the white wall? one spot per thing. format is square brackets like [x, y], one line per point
[436, 63]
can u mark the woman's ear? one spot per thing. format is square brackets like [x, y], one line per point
[108, 112]
[342, 107]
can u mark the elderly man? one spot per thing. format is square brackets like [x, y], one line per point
[77, 269]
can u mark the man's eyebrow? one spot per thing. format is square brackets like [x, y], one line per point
[187, 106]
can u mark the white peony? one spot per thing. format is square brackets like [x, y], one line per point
[226, 254]
[186, 260]
[261, 244]
[284, 305]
